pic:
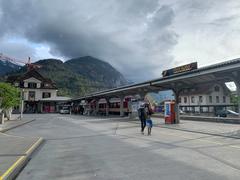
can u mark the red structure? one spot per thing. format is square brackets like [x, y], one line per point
[169, 113]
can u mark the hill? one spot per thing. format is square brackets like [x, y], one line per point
[79, 76]
[8, 67]
[96, 70]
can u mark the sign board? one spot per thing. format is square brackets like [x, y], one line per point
[180, 69]
[167, 111]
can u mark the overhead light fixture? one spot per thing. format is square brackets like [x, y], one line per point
[231, 86]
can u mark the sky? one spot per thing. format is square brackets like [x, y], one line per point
[140, 38]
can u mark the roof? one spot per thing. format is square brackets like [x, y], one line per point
[217, 73]
[29, 74]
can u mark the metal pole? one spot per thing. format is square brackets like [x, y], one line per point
[107, 106]
[238, 98]
[97, 106]
[177, 117]
[121, 106]
[22, 103]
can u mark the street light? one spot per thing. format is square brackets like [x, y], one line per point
[22, 103]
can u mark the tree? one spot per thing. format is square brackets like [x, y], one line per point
[9, 97]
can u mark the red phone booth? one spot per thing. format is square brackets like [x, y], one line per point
[169, 112]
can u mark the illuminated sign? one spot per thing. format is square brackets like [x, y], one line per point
[180, 69]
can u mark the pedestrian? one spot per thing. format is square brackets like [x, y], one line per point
[149, 125]
[142, 116]
[149, 122]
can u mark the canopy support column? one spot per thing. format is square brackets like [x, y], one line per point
[107, 106]
[121, 106]
[97, 106]
[237, 83]
[177, 114]
[238, 97]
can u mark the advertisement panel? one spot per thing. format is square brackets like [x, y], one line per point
[167, 112]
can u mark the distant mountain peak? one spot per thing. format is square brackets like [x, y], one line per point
[8, 67]
[79, 76]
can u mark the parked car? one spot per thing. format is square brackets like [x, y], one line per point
[220, 112]
[65, 110]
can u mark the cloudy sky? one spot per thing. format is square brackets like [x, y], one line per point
[140, 38]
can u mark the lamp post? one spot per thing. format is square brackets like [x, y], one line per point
[22, 103]
[1, 112]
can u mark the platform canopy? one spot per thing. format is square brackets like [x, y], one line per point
[218, 73]
[57, 99]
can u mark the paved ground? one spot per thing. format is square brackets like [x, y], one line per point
[14, 123]
[222, 129]
[96, 148]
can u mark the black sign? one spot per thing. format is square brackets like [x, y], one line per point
[180, 69]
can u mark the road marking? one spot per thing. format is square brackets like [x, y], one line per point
[34, 145]
[203, 140]
[21, 159]
[9, 135]
[234, 146]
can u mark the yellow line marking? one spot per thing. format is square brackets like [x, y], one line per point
[20, 160]
[34, 145]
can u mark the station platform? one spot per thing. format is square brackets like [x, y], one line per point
[212, 128]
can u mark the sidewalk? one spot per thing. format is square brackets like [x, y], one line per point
[13, 124]
[15, 151]
[213, 128]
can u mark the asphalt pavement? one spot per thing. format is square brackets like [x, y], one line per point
[78, 147]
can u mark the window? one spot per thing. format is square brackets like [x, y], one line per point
[31, 96]
[32, 85]
[217, 99]
[210, 99]
[185, 99]
[216, 88]
[46, 95]
[200, 99]
[192, 99]
[224, 99]
[180, 100]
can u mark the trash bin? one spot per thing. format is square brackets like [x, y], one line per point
[169, 113]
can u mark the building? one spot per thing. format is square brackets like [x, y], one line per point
[39, 93]
[205, 98]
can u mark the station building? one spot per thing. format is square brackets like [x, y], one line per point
[205, 98]
[38, 93]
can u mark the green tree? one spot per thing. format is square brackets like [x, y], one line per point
[9, 97]
[234, 99]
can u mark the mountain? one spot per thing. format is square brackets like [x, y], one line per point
[96, 70]
[79, 76]
[8, 67]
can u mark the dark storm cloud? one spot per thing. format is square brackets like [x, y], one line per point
[132, 35]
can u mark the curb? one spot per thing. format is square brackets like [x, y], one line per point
[194, 131]
[18, 125]
[18, 165]
[200, 132]
[226, 120]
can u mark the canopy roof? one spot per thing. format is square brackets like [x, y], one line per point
[218, 73]
[57, 98]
